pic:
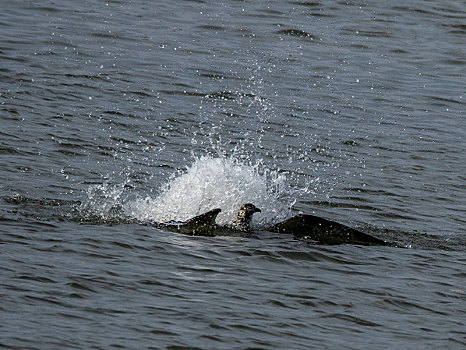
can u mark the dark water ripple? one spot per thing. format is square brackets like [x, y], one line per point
[110, 281]
[363, 103]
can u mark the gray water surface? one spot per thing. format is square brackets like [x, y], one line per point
[359, 105]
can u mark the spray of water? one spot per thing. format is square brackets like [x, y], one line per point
[214, 182]
[210, 182]
[217, 180]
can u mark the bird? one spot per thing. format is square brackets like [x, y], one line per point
[204, 224]
[244, 216]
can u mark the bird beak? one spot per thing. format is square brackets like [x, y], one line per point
[257, 210]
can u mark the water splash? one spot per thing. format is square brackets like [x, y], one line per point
[214, 182]
[210, 182]
[104, 204]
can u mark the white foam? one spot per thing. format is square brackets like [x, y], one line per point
[213, 182]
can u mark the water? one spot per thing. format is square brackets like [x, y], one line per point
[118, 114]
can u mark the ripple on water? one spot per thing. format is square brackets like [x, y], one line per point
[118, 113]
